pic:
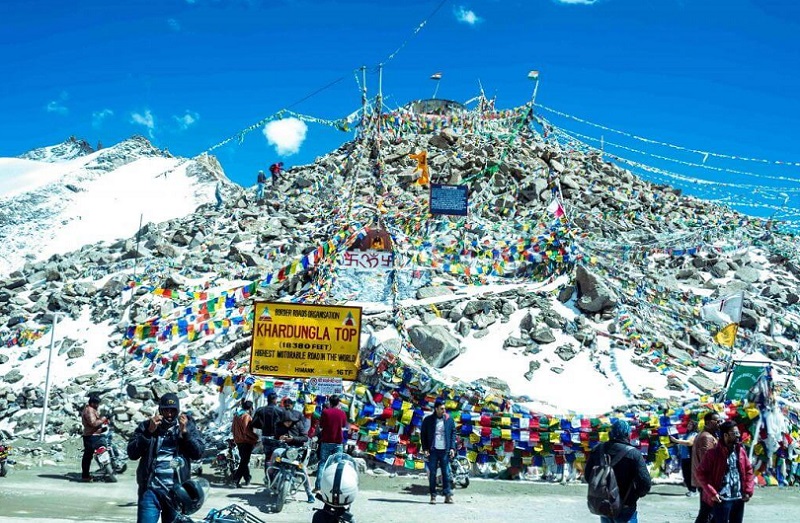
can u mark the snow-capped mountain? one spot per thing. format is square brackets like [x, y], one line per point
[58, 198]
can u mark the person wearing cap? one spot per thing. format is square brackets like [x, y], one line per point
[156, 442]
[245, 440]
[438, 440]
[633, 478]
[266, 419]
[293, 430]
[261, 182]
[93, 425]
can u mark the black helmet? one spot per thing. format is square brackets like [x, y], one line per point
[188, 497]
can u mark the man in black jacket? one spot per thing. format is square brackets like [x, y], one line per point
[438, 439]
[633, 478]
[168, 435]
[267, 419]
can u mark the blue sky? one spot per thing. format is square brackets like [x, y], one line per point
[711, 75]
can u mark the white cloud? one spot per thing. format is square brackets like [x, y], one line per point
[57, 106]
[187, 120]
[466, 16]
[146, 119]
[286, 135]
[174, 24]
[98, 117]
[581, 2]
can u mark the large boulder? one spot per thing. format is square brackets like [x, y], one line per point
[435, 343]
[593, 295]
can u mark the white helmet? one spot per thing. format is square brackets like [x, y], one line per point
[339, 483]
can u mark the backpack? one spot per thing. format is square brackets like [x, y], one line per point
[603, 496]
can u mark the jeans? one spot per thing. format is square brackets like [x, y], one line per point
[245, 451]
[706, 513]
[325, 450]
[439, 458]
[260, 192]
[151, 506]
[729, 511]
[89, 444]
[625, 516]
[686, 469]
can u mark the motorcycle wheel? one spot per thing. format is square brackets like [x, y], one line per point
[3, 469]
[108, 472]
[120, 469]
[282, 492]
[464, 482]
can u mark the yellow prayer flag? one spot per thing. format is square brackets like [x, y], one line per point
[505, 421]
[555, 437]
[505, 434]
[727, 336]
[603, 436]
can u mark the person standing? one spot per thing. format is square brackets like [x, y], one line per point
[93, 425]
[726, 476]
[267, 419]
[331, 423]
[156, 442]
[245, 440]
[633, 478]
[438, 440]
[704, 442]
[685, 448]
[261, 181]
[218, 194]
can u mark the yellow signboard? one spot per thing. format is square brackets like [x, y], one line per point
[295, 340]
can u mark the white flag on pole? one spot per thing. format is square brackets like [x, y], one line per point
[724, 311]
[555, 208]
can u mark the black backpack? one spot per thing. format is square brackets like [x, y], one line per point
[603, 496]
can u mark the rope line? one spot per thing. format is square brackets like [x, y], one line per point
[705, 154]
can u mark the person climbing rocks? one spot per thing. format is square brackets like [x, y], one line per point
[261, 182]
[275, 170]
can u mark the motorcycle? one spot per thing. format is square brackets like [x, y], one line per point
[230, 514]
[460, 468]
[4, 461]
[227, 460]
[284, 472]
[110, 460]
[338, 490]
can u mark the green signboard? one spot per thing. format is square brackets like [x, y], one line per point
[743, 379]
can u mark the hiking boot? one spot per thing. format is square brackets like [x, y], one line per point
[433, 500]
[448, 500]
[311, 499]
[86, 480]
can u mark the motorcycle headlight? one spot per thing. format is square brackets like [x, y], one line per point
[291, 454]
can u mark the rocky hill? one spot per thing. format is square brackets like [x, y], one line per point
[588, 311]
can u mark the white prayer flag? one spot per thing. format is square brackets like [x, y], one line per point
[555, 208]
[724, 311]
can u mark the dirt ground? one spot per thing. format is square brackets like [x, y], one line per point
[51, 493]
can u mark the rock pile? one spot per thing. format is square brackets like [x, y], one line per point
[647, 256]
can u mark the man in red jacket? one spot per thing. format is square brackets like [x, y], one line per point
[331, 440]
[245, 440]
[726, 476]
